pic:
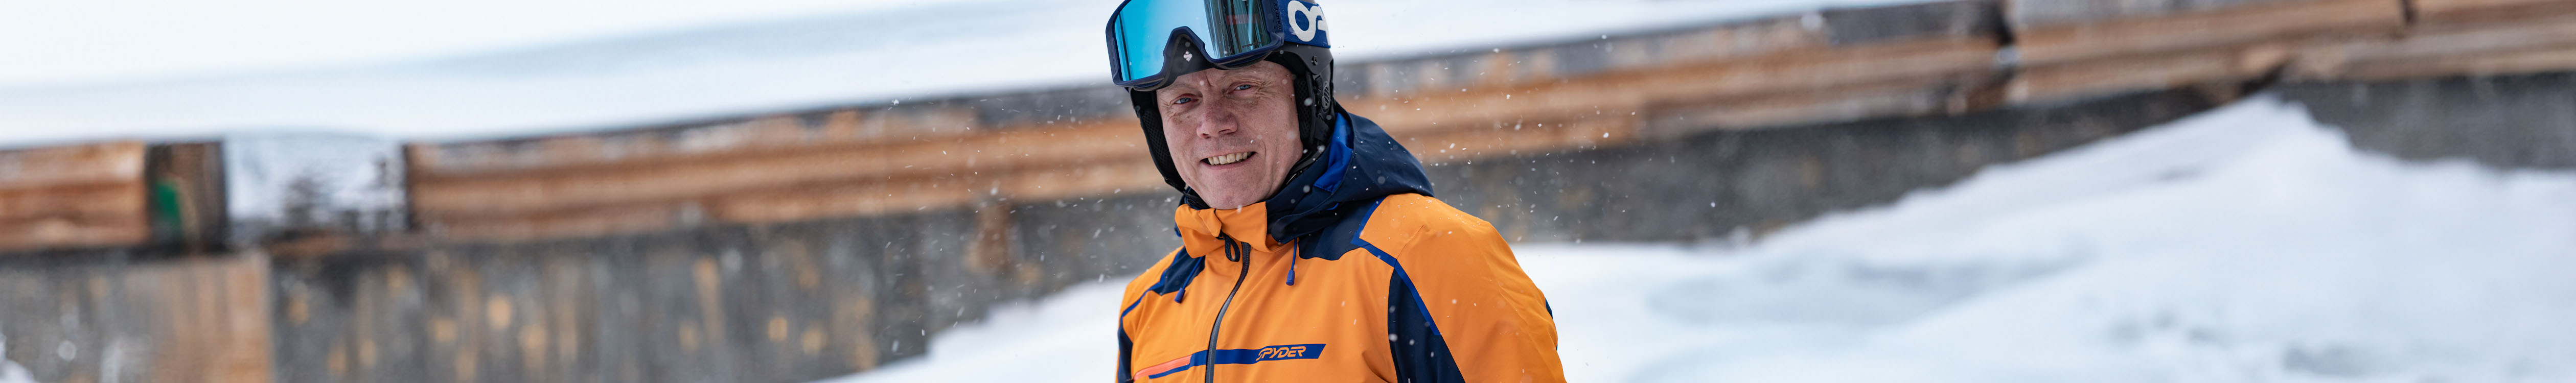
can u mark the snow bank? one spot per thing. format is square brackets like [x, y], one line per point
[2246, 244]
[933, 49]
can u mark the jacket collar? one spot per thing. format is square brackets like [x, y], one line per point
[1202, 229]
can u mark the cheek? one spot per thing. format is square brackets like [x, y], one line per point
[1283, 113]
[1176, 145]
[1176, 133]
[1283, 141]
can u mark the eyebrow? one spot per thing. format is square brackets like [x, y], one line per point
[1229, 76]
[1246, 75]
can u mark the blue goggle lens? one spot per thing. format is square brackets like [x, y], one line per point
[1141, 32]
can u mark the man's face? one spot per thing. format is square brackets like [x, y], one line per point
[1232, 133]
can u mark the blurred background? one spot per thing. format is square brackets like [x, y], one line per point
[948, 190]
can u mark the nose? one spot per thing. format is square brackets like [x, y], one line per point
[1216, 120]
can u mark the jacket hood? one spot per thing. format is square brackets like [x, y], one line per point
[1360, 164]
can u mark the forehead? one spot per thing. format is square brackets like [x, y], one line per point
[1266, 72]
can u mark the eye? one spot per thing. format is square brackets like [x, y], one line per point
[1243, 87]
[1183, 100]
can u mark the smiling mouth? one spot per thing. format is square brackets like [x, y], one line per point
[1227, 158]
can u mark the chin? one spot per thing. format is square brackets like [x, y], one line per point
[1235, 194]
[1232, 199]
[1229, 204]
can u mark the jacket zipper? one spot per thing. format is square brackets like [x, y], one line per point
[1231, 255]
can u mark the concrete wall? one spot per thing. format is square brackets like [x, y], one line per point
[755, 304]
[749, 303]
[2526, 121]
[119, 317]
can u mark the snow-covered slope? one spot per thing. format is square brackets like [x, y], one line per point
[933, 48]
[2246, 244]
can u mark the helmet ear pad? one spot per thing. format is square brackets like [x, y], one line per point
[1317, 114]
[1317, 111]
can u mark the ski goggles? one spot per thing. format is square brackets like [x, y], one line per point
[1151, 41]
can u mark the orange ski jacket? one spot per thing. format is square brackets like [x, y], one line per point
[1351, 274]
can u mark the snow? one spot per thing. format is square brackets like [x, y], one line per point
[2245, 244]
[928, 48]
[1066, 338]
[10, 372]
[70, 42]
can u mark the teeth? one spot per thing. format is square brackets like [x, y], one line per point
[1228, 159]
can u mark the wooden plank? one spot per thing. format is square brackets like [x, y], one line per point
[659, 180]
[1523, 66]
[214, 322]
[2169, 71]
[1853, 103]
[2454, 40]
[1738, 41]
[891, 196]
[2435, 12]
[2208, 29]
[581, 152]
[69, 232]
[855, 199]
[86, 195]
[943, 192]
[595, 221]
[1115, 177]
[1098, 179]
[1460, 146]
[2549, 59]
[73, 201]
[1825, 30]
[95, 163]
[1632, 91]
[2439, 50]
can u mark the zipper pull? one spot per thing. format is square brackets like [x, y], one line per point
[1292, 265]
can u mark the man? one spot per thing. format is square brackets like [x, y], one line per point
[1311, 249]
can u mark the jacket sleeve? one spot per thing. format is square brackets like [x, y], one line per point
[1461, 309]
